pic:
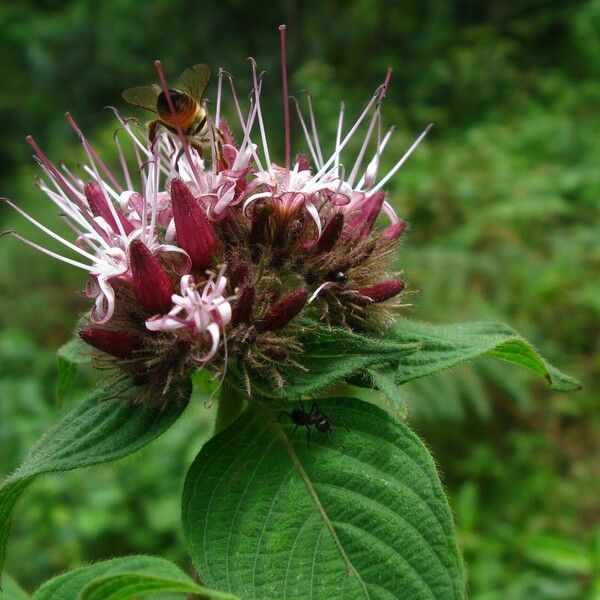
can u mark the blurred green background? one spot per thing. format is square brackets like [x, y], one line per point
[503, 200]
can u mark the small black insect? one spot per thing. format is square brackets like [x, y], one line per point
[340, 277]
[315, 417]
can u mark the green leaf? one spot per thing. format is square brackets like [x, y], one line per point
[329, 355]
[384, 380]
[444, 346]
[69, 358]
[123, 579]
[98, 430]
[360, 516]
[11, 590]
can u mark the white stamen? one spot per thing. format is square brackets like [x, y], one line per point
[47, 231]
[395, 168]
[348, 137]
[218, 108]
[365, 143]
[375, 161]
[69, 261]
[318, 163]
[338, 135]
[257, 90]
[123, 162]
[314, 128]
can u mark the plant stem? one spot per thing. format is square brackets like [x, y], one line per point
[231, 405]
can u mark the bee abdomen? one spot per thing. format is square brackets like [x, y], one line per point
[185, 108]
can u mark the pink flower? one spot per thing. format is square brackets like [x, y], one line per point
[200, 312]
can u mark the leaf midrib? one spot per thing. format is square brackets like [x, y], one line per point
[313, 494]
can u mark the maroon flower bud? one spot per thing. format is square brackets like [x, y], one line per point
[239, 275]
[120, 344]
[280, 314]
[242, 309]
[362, 223]
[151, 284]
[393, 232]
[100, 208]
[276, 353]
[384, 290]
[194, 233]
[331, 233]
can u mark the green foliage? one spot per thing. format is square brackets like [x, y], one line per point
[329, 355]
[68, 359]
[503, 203]
[123, 579]
[98, 430]
[445, 346]
[362, 516]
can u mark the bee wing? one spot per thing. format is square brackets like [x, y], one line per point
[195, 81]
[143, 96]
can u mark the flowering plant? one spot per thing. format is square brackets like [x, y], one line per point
[278, 281]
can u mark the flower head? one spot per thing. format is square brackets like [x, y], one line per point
[199, 256]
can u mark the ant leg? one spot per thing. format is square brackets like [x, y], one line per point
[336, 422]
[284, 412]
[308, 436]
[342, 447]
[293, 432]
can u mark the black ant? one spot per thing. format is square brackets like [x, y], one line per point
[315, 417]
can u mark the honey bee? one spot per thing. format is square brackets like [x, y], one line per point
[190, 114]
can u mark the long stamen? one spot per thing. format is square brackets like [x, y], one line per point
[182, 138]
[246, 142]
[374, 121]
[348, 137]
[338, 135]
[47, 231]
[374, 164]
[246, 128]
[123, 161]
[63, 187]
[257, 90]
[127, 128]
[363, 148]
[395, 168]
[93, 152]
[155, 178]
[69, 261]
[386, 83]
[318, 163]
[55, 173]
[99, 180]
[313, 124]
[213, 144]
[75, 180]
[72, 210]
[286, 106]
[96, 177]
[218, 107]
[80, 234]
